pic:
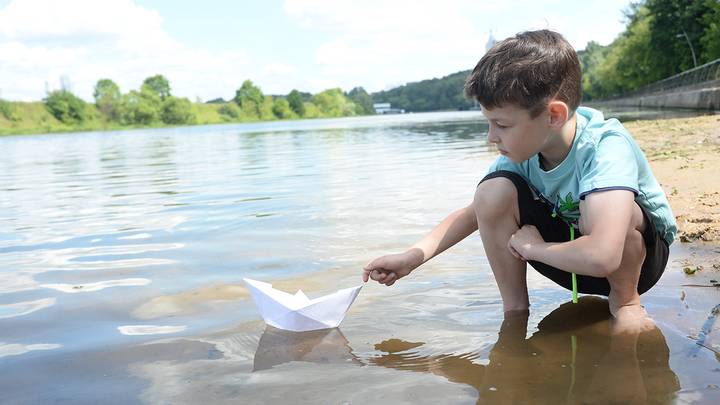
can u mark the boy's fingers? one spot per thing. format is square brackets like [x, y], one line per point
[372, 264]
[390, 279]
[512, 250]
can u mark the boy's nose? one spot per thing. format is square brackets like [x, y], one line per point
[491, 137]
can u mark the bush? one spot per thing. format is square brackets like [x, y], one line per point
[177, 111]
[311, 110]
[107, 98]
[140, 107]
[8, 110]
[65, 106]
[296, 102]
[281, 109]
[333, 103]
[229, 111]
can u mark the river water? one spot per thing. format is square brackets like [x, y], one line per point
[122, 256]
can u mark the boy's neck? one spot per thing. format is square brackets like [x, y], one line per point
[559, 145]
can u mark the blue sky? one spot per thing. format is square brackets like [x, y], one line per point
[207, 49]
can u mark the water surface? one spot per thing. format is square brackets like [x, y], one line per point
[122, 254]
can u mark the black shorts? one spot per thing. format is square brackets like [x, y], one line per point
[534, 211]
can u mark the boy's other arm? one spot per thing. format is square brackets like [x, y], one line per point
[606, 216]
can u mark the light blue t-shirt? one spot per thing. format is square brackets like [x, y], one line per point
[603, 157]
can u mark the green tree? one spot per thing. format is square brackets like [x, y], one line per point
[630, 61]
[250, 99]
[296, 101]
[229, 111]
[672, 21]
[266, 109]
[445, 93]
[8, 110]
[710, 41]
[591, 58]
[157, 84]
[311, 110]
[140, 107]
[281, 109]
[363, 101]
[177, 111]
[66, 107]
[333, 103]
[107, 98]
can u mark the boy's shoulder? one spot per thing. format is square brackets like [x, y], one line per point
[593, 127]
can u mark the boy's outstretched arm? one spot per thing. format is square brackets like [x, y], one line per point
[606, 219]
[454, 228]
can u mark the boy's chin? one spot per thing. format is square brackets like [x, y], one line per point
[515, 159]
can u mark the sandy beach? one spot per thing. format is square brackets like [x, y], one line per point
[683, 154]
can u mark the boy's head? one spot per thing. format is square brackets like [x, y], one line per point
[528, 71]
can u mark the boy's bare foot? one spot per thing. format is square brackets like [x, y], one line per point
[630, 319]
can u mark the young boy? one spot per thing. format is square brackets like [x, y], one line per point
[571, 193]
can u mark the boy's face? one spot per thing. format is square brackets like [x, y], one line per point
[517, 135]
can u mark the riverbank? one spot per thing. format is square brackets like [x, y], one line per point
[683, 154]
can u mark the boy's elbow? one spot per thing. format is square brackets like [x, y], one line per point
[604, 264]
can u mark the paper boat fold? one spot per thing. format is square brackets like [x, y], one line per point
[297, 312]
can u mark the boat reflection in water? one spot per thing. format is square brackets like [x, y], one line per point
[324, 346]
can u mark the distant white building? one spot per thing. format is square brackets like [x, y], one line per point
[386, 108]
[490, 42]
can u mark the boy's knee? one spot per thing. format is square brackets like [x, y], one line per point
[634, 243]
[495, 197]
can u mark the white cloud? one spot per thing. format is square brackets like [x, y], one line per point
[377, 43]
[372, 43]
[278, 69]
[87, 40]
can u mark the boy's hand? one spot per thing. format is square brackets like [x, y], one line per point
[390, 268]
[523, 241]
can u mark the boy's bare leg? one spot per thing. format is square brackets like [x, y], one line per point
[498, 217]
[624, 299]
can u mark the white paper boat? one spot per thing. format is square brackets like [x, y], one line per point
[297, 312]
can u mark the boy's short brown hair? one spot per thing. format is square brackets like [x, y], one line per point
[527, 70]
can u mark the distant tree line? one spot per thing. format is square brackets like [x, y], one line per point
[428, 95]
[154, 104]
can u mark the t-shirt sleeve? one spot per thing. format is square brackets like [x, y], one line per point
[614, 166]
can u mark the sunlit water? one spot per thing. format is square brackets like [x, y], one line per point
[122, 255]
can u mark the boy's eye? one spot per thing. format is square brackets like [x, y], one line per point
[501, 126]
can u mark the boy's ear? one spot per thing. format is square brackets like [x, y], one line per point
[558, 113]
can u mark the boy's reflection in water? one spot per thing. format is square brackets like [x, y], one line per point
[574, 357]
